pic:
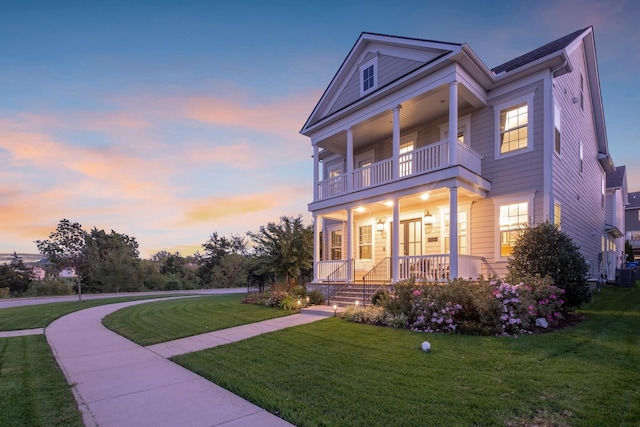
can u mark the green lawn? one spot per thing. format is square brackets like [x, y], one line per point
[40, 315]
[335, 373]
[162, 321]
[34, 391]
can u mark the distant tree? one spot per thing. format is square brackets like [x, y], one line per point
[16, 276]
[64, 248]
[628, 250]
[111, 262]
[216, 249]
[547, 251]
[284, 249]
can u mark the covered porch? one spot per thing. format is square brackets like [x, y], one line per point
[405, 235]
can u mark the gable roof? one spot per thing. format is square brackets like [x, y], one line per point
[541, 52]
[416, 53]
[634, 200]
[615, 178]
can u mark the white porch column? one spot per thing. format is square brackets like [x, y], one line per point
[453, 232]
[396, 142]
[453, 123]
[395, 243]
[317, 229]
[349, 160]
[350, 241]
[316, 172]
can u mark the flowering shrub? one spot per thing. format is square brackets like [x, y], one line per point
[544, 300]
[513, 318]
[433, 317]
[467, 307]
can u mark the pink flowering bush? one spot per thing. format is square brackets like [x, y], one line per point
[469, 307]
[432, 316]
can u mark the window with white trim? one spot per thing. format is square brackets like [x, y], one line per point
[463, 238]
[557, 134]
[368, 76]
[335, 245]
[365, 242]
[514, 128]
[513, 218]
[557, 215]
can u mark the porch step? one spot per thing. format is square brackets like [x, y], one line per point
[348, 295]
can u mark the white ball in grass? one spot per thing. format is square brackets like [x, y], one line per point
[426, 346]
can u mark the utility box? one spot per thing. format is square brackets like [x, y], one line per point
[626, 277]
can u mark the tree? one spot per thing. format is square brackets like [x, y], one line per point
[64, 248]
[285, 249]
[216, 249]
[547, 251]
[110, 262]
[628, 250]
[16, 276]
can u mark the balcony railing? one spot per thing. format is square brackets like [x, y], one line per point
[427, 159]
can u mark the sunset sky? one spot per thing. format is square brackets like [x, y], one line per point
[171, 120]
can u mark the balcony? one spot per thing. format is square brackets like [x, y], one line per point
[430, 158]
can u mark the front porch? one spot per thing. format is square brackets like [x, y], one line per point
[345, 282]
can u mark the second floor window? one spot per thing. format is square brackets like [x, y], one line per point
[513, 128]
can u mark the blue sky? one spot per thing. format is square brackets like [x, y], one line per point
[169, 120]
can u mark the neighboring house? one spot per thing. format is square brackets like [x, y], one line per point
[632, 222]
[67, 272]
[39, 273]
[617, 199]
[410, 130]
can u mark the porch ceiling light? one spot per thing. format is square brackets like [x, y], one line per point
[428, 222]
[380, 226]
[360, 209]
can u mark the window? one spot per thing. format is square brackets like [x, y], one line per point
[557, 215]
[513, 218]
[581, 92]
[336, 245]
[556, 120]
[513, 130]
[368, 76]
[603, 187]
[364, 242]
[581, 158]
[462, 233]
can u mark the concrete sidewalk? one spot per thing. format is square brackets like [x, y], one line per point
[118, 383]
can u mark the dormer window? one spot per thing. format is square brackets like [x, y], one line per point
[368, 76]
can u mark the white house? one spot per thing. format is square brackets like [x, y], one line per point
[410, 130]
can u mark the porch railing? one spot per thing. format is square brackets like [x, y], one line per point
[435, 268]
[377, 277]
[426, 159]
[342, 274]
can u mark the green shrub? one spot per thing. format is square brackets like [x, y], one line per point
[371, 315]
[49, 287]
[546, 251]
[5, 293]
[381, 297]
[315, 297]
